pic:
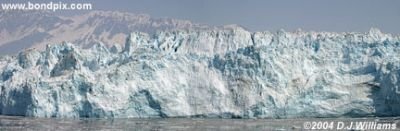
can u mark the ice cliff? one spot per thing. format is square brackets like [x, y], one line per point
[228, 73]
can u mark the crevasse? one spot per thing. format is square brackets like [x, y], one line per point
[228, 73]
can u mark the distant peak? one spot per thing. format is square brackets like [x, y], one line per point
[234, 27]
[115, 14]
[374, 30]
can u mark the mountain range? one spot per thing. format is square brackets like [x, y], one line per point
[21, 30]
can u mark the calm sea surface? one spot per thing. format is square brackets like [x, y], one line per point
[195, 124]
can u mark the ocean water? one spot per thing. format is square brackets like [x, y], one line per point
[192, 124]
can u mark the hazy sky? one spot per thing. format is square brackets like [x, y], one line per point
[259, 15]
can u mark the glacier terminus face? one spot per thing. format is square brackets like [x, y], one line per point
[224, 73]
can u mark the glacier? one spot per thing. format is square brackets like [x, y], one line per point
[213, 73]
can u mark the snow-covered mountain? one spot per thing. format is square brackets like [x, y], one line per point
[26, 29]
[229, 73]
